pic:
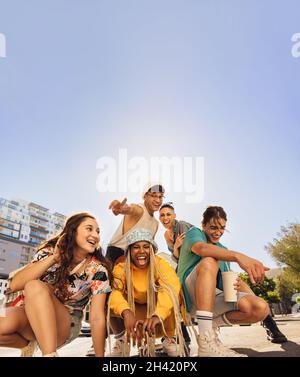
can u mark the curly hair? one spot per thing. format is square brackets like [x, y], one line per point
[67, 246]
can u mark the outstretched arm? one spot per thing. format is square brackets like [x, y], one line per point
[254, 268]
[122, 208]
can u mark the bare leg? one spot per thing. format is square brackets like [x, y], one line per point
[12, 325]
[252, 309]
[13, 341]
[207, 271]
[49, 319]
[245, 288]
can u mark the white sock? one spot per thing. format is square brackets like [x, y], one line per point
[222, 320]
[204, 320]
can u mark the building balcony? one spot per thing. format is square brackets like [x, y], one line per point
[4, 221]
[36, 208]
[39, 228]
[38, 216]
[9, 233]
[38, 235]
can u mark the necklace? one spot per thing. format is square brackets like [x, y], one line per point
[84, 262]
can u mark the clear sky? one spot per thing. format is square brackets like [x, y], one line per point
[215, 79]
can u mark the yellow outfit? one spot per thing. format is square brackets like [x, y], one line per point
[164, 305]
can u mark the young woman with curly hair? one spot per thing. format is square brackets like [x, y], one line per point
[66, 272]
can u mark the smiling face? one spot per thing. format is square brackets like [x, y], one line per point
[214, 229]
[88, 235]
[167, 217]
[140, 254]
[153, 201]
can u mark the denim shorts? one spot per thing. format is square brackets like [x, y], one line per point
[221, 306]
[76, 319]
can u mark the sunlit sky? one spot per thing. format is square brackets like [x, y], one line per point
[212, 79]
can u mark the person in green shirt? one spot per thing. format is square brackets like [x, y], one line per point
[202, 259]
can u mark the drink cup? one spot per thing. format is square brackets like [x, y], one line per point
[2, 305]
[229, 279]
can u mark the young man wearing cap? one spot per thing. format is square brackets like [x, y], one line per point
[135, 216]
[145, 299]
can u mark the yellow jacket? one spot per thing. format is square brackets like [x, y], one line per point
[164, 304]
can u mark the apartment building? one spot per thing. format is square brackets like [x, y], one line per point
[23, 226]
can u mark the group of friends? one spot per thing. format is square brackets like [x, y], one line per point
[133, 293]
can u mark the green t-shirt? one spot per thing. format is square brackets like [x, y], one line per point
[188, 260]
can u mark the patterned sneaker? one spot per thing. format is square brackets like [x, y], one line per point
[209, 345]
[28, 351]
[170, 347]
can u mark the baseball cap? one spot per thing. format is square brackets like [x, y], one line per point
[153, 187]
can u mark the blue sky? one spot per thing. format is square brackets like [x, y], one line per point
[216, 79]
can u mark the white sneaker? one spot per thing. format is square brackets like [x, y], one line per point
[28, 351]
[120, 349]
[209, 345]
[90, 352]
[170, 347]
[52, 354]
[229, 350]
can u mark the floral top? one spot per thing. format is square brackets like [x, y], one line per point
[91, 281]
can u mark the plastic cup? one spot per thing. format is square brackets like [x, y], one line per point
[2, 305]
[229, 279]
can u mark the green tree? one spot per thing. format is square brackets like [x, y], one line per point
[286, 251]
[273, 297]
[265, 290]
